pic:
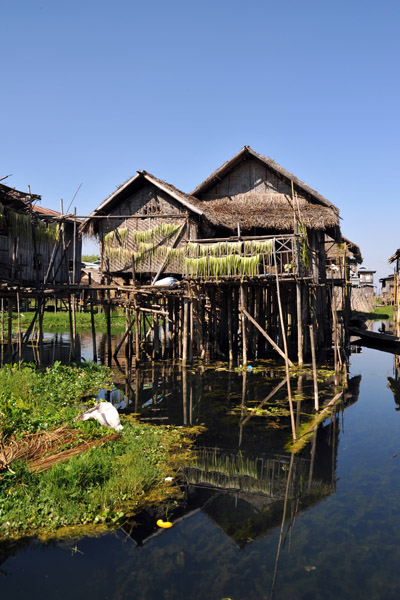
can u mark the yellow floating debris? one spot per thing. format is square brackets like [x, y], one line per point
[164, 524]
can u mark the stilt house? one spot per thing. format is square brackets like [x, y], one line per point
[222, 229]
[246, 230]
[35, 245]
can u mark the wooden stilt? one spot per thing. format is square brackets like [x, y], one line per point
[300, 337]
[265, 334]
[108, 323]
[314, 365]
[285, 347]
[9, 332]
[191, 331]
[92, 322]
[185, 332]
[184, 396]
[230, 325]
[243, 325]
[137, 334]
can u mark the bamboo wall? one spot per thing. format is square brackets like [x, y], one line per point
[27, 245]
[146, 238]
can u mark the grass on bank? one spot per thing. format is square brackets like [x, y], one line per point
[59, 321]
[102, 485]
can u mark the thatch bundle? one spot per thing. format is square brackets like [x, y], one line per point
[35, 448]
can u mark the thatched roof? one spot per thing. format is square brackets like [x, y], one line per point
[131, 185]
[253, 209]
[354, 249]
[271, 210]
[246, 152]
[266, 212]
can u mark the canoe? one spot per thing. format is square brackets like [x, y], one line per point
[372, 338]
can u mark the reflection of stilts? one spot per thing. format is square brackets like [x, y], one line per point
[243, 419]
[282, 526]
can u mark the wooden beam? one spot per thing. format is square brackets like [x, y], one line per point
[265, 334]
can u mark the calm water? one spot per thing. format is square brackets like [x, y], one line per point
[340, 499]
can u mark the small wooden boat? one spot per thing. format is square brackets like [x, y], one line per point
[374, 339]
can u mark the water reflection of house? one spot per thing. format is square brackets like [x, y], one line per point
[239, 487]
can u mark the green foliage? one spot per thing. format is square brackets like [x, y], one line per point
[59, 321]
[90, 257]
[20, 225]
[32, 400]
[99, 486]
[305, 254]
[103, 485]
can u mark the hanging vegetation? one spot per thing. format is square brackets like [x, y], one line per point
[305, 254]
[228, 266]
[162, 232]
[20, 225]
[46, 232]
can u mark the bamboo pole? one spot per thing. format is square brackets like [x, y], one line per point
[300, 336]
[243, 324]
[314, 365]
[108, 322]
[191, 329]
[71, 329]
[137, 335]
[184, 396]
[230, 324]
[9, 332]
[185, 332]
[282, 525]
[92, 322]
[285, 348]
[265, 334]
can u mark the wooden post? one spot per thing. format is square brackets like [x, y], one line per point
[191, 330]
[243, 324]
[156, 335]
[71, 329]
[137, 334]
[74, 250]
[93, 331]
[40, 332]
[184, 396]
[108, 322]
[230, 324]
[265, 334]
[300, 337]
[73, 300]
[285, 348]
[9, 332]
[185, 332]
[128, 347]
[314, 365]
[133, 271]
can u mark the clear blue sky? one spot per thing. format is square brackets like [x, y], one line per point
[93, 91]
